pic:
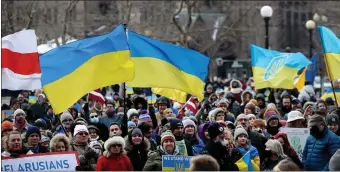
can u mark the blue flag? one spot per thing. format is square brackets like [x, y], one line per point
[312, 69]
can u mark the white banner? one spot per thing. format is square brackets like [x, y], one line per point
[65, 161]
[297, 138]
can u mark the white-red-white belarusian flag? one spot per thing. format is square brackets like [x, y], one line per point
[20, 66]
[97, 96]
[190, 104]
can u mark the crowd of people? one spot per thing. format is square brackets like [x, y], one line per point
[234, 119]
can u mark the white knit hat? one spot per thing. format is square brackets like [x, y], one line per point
[18, 111]
[114, 140]
[66, 115]
[130, 112]
[80, 128]
[188, 122]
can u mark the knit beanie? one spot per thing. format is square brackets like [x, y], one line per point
[94, 143]
[31, 130]
[66, 115]
[44, 139]
[144, 118]
[188, 122]
[18, 111]
[137, 131]
[215, 129]
[334, 164]
[250, 106]
[41, 123]
[272, 117]
[167, 135]
[332, 119]
[253, 101]
[6, 125]
[80, 128]
[250, 116]
[132, 112]
[131, 124]
[175, 123]
[315, 120]
[239, 131]
[307, 104]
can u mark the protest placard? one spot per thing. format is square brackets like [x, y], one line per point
[56, 161]
[297, 138]
[175, 163]
[7, 114]
[32, 99]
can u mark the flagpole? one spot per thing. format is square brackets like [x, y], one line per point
[124, 84]
[184, 104]
[336, 101]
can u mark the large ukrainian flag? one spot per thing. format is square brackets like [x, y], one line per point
[273, 69]
[331, 47]
[163, 65]
[72, 70]
[173, 94]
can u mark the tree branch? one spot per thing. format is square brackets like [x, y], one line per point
[128, 17]
[174, 18]
[66, 18]
[30, 15]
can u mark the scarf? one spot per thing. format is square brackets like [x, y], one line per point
[176, 151]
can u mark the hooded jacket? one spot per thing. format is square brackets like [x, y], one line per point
[236, 91]
[56, 139]
[201, 131]
[138, 154]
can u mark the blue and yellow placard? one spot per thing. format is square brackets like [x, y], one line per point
[175, 163]
[32, 99]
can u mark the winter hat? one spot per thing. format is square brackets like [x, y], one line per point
[332, 119]
[137, 131]
[80, 121]
[6, 125]
[334, 162]
[132, 112]
[144, 118]
[251, 116]
[250, 106]
[41, 123]
[31, 130]
[272, 117]
[239, 131]
[131, 124]
[44, 139]
[253, 101]
[18, 111]
[223, 100]
[222, 123]
[80, 128]
[145, 127]
[66, 115]
[93, 127]
[230, 124]
[42, 95]
[167, 135]
[188, 122]
[114, 140]
[215, 129]
[316, 119]
[275, 145]
[294, 115]
[214, 113]
[307, 104]
[175, 123]
[94, 143]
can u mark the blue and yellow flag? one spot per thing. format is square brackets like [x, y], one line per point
[331, 47]
[73, 70]
[163, 65]
[300, 81]
[329, 93]
[246, 164]
[273, 69]
[152, 99]
[129, 90]
[173, 94]
[312, 69]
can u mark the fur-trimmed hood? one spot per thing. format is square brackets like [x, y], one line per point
[244, 93]
[129, 146]
[56, 139]
[238, 89]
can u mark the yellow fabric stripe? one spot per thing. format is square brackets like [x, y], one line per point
[242, 166]
[300, 82]
[100, 71]
[333, 65]
[173, 94]
[283, 79]
[155, 73]
[256, 163]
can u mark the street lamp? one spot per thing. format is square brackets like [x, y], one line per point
[266, 13]
[310, 25]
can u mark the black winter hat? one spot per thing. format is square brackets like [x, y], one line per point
[215, 129]
[40, 123]
[175, 123]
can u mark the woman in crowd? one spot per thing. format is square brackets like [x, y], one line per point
[276, 154]
[137, 148]
[333, 123]
[288, 149]
[114, 158]
[167, 147]
[190, 135]
[60, 143]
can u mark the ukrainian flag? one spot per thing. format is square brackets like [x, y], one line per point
[300, 81]
[129, 90]
[173, 94]
[246, 164]
[273, 69]
[163, 65]
[73, 70]
[331, 47]
[152, 99]
[329, 93]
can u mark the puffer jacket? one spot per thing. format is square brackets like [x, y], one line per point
[318, 151]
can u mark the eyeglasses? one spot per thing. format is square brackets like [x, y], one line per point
[94, 116]
[67, 120]
[116, 145]
[114, 129]
[83, 134]
[109, 106]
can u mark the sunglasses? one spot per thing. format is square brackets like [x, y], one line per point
[83, 134]
[94, 116]
[116, 145]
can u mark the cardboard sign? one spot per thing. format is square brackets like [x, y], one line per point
[175, 163]
[56, 161]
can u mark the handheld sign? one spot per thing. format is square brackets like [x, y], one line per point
[7, 114]
[175, 163]
[56, 161]
[32, 99]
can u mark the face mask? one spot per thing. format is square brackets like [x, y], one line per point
[314, 131]
[94, 120]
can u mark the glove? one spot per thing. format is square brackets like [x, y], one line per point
[90, 153]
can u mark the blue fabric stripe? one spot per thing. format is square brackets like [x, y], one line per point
[63, 60]
[330, 90]
[330, 42]
[188, 61]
